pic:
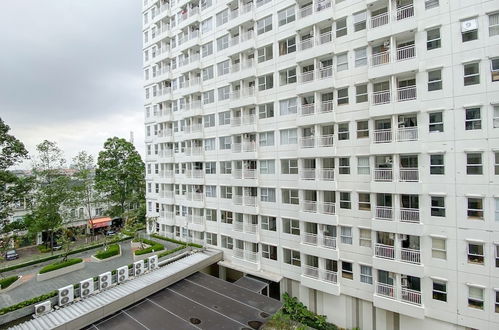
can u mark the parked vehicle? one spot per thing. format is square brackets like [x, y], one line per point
[111, 233]
[11, 255]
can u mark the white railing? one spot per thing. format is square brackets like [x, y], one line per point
[309, 206]
[249, 119]
[407, 134]
[306, 11]
[249, 174]
[307, 77]
[250, 228]
[309, 238]
[384, 212]
[409, 215]
[197, 174]
[250, 200]
[380, 58]
[410, 296]
[237, 226]
[238, 253]
[329, 242]
[250, 256]
[235, 67]
[307, 109]
[325, 38]
[237, 174]
[409, 175]
[327, 174]
[235, 121]
[236, 147]
[327, 106]
[326, 140]
[406, 93]
[328, 208]
[385, 290]
[166, 174]
[166, 194]
[405, 12]
[307, 142]
[410, 255]
[326, 72]
[311, 271]
[383, 175]
[382, 97]
[406, 52]
[384, 251]
[249, 147]
[383, 135]
[306, 44]
[307, 174]
[237, 199]
[197, 196]
[379, 20]
[329, 276]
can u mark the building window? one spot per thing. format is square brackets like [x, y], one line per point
[207, 73]
[433, 40]
[210, 167]
[226, 167]
[360, 57]
[475, 297]
[287, 76]
[226, 192]
[288, 106]
[439, 290]
[366, 274]
[211, 238]
[209, 120]
[264, 25]
[473, 119]
[365, 237]
[267, 195]
[471, 74]
[345, 201]
[207, 49]
[227, 242]
[497, 209]
[362, 129]
[346, 235]
[341, 27]
[364, 201]
[363, 165]
[266, 110]
[494, 69]
[225, 142]
[226, 217]
[496, 163]
[436, 120]
[286, 16]
[223, 68]
[224, 118]
[495, 120]
[268, 223]
[222, 17]
[361, 93]
[343, 96]
[342, 62]
[434, 80]
[269, 251]
[475, 253]
[496, 302]
[289, 136]
[223, 42]
[290, 196]
[211, 191]
[493, 24]
[223, 93]
[291, 257]
[347, 270]
[359, 21]
[343, 131]
[211, 215]
[291, 226]
[260, 3]
[437, 165]
[475, 208]
[266, 139]
[437, 206]
[431, 4]
[289, 166]
[344, 165]
[267, 166]
[474, 164]
[287, 46]
[438, 248]
[496, 248]
[266, 82]
[265, 53]
[469, 29]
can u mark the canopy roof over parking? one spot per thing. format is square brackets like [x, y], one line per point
[99, 222]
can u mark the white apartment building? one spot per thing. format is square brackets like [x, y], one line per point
[347, 149]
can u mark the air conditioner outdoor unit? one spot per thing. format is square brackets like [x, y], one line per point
[105, 280]
[86, 287]
[43, 308]
[138, 268]
[66, 295]
[469, 25]
[122, 274]
[152, 263]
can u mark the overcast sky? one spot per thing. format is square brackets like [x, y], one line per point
[71, 71]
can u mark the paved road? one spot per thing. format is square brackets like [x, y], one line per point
[31, 288]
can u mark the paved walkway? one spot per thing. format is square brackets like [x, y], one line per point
[32, 288]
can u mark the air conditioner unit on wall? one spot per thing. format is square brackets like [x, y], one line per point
[122, 274]
[152, 262]
[66, 295]
[469, 25]
[86, 287]
[138, 268]
[43, 308]
[105, 280]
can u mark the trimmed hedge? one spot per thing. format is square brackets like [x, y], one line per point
[199, 246]
[112, 250]
[55, 256]
[59, 265]
[152, 248]
[43, 249]
[28, 302]
[6, 282]
[163, 254]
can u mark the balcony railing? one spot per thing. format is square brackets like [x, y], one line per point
[405, 12]
[310, 271]
[238, 253]
[327, 174]
[410, 255]
[306, 11]
[250, 228]
[237, 199]
[383, 135]
[238, 226]
[309, 238]
[386, 290]
[306, 44]
[327, 106]
[329, 276]
[382, 97]
[406, 52]
[410, 296]
[309, 206]
[380, 58]
[407, 134]
[384, 212]
[328, 208]
[379, 20]
[250, 200]
[326, 140]
[250, 256]
[384, 251]
[329, 242]
[326, 72]
[406, 93]
[307, 77]
[409, 215]
[325, 38]
[383, 175]
[307, 174]
[307, 109]
[307, 142]
[409, 175]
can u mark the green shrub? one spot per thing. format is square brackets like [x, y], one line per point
[28, 302]
[59, 265]
[163, 254]
[43, 249]
[152, 248]
[299, 313]
[176, 241]
[112, 250]
[6, 282]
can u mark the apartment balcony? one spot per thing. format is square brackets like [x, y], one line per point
[238, 226]
[384, 213]
[195, 196]
[250, 201]
[244, 98]
[250, 228]
[306, 44]
[403, 134]
[165, 154]
[309, 238]
[383, 175]
[397, 15]
[166, 194]
[194, 174]
[237, 199]
[245, 255]
[326, 140]
[384, 251]
[320, 279]
[307, 142]
[410, 215]
[326, 174]
[245, 120]
[195, 219]
[308, 206]
[404, 294]
[308, 174]
[401, 54]
[409, 175]
[307, 109]
[306, 77]
[403, 94]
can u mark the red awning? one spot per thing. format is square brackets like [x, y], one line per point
[99, 222]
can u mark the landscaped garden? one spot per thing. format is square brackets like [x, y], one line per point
[6, 282]
[110, 251]
[147, 246]
[59, 265]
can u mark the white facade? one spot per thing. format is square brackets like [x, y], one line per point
[351, 147]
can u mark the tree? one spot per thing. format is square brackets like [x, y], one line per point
[83, 187]
[120, 176]
[12, 187]
[51, 193]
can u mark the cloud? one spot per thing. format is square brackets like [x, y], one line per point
[71, 71]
